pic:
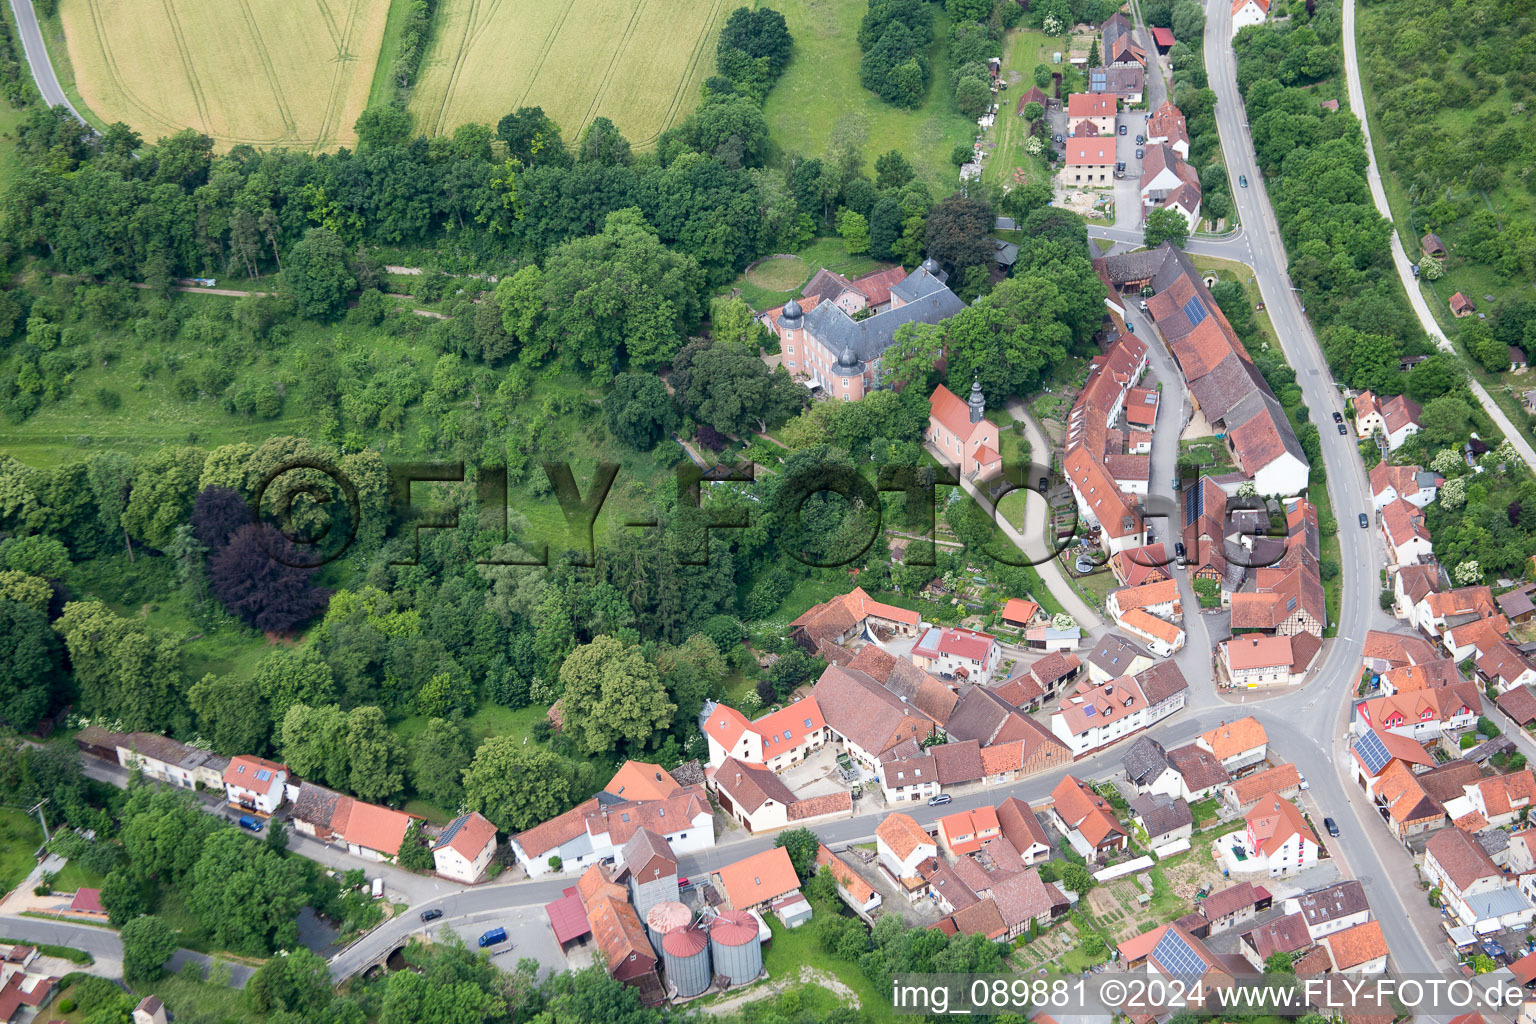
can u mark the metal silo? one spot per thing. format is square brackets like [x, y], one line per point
[664, 917]
[737, 950]
[685, 954]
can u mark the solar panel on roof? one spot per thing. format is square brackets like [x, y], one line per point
[1195, 310]
[1194, 504]
[1090, 711]
[1373, 752]
[1176, 955]
[263, 775]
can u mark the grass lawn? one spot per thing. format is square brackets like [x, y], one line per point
[1231, 270]
[819, 101]
[20, 836]
[10, 159]
[1097, 586]
[489, 720]
[1022, 50]
[74, 877]
[382, 89]
[791, 951]
[774, 282]
[1208, 453]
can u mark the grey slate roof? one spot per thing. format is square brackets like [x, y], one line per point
[925, 300]
[1161, 814]
[1114, 654]
[1145, 761]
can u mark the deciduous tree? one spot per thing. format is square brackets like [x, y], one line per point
[148, 942]
[516, 786]
[612, 695]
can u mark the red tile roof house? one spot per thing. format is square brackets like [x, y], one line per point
[366, 830]
[255, 784]
[1414, 485]
[775, 741]
[1253, 660]
[620, 936]
[865, 717]
[464, 851]
[756, 798]
[1166, 125]
[1096, 109]
[757, 880]
[846, 617]
[960, 653]
[1277, 841]
[1461, 306]
[1358, 950]
[962, 435]
[968, 831]
[1237, 745]
[1422, 714]
[851, 886]
[1395, 418]
[1408, 540]
[1502, 798]
[902, 845]
[1090, 162]
[598, 828]
[1086, 819]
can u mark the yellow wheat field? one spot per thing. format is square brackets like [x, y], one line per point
[292, 73]
[638, 63]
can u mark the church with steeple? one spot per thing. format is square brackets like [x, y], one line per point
[962, 435]
[833, 336]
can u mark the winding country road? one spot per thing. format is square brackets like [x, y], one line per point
[37, 58]
[1399, 256]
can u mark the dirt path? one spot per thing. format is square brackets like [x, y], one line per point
[808, 976]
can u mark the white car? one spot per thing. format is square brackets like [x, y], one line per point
[1304, 783]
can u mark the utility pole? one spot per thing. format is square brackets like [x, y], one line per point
[38, 810]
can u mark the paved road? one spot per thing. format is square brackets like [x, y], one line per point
[1234, 246]
[104, 945]
[37, 58]
[1033, 541]
[1361, 558]
[1399, 256]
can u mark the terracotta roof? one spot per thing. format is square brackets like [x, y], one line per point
[1151, 625]
[616, 926]
[1092, 707]
[955, 641]
[927, 692]
[373, 827]
[557, 831]
[256, 774]
[1403, 522]
[467, 835]
[1505, 793]
[88, 901]
[619, 821]
[1233, 738]
[1358, 945]
[1459, 856]
[1055, 666]
[757, 879]
[1089, 104]
[1255, 787]
[1017, 609]
[982, 918]
[902, 834]
[1158, 592]
[636, 780]
[1091, 152]
[1253, 650]
[851, 881]
[1428, 676]
[860, 709]
[1436, 705]
[952, 412]
[1083, 809]
[841, 613]
[1167, 121]
[1135, 566]
[1273, 821]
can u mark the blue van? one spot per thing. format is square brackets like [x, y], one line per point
[249, 822]
[492, 937]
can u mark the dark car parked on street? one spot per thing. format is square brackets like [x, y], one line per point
[431, 915]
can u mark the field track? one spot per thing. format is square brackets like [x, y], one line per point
[637, 62]
[289, 73]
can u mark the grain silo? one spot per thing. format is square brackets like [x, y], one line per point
[737, 950]
[666, 916]
[685, 953]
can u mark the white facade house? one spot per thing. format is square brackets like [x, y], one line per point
[902, 844]
[1248, 12]
[255, 784]
[909, 779]
[952, 651]
[1474, 890]
[593, 831]
[1277, 841]
[464, 851]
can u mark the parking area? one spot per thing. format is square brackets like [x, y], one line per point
[817, 775]
[528, 935]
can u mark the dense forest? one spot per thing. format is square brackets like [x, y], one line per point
[396, 656]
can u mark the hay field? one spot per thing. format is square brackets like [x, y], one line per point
[292, 73]
[638, 63]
